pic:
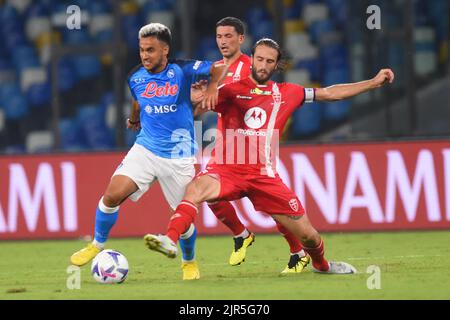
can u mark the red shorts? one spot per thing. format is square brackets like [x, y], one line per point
[267, 194]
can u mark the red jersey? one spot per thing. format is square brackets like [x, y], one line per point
[253, 118]
[238, 70]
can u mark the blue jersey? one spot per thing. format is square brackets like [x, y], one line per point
[167, 122]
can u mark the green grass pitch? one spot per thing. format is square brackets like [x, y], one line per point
[413, 265]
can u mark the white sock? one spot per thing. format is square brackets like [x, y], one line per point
[244, 234]
[98, 244]
[188, 233]
[301, 253]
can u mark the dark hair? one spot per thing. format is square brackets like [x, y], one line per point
[158, 30]
[232, 22]
[268, 43]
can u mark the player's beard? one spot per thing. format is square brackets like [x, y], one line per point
[261, 79]
[157, 66]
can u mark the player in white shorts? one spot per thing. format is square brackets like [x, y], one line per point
[165, 146]
[144, 167]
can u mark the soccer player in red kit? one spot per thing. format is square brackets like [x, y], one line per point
[251, 109]
[230, 35]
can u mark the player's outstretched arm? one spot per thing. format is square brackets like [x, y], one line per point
[344, 91]
[218, 72]
[133, 121]
[197, 95]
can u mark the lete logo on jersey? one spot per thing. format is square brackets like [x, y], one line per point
[153, 90]
[255, 117]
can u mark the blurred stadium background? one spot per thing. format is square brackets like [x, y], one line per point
[63, 105]
[65, 90]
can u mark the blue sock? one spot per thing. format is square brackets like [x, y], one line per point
[188, 244]
[103, 224]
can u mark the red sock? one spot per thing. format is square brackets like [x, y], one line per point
[181, 220]
[224, 211]
[317, 255]
[294, 244]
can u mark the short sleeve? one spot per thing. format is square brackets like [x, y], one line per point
[303, 95]
[194, 70]
[130, 85]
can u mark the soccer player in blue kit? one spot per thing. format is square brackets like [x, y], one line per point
[165, 146]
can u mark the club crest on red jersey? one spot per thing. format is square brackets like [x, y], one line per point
[293, 203]
[276, 97]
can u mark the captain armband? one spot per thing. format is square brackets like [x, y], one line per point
[310, 95]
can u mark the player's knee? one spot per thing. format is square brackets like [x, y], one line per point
[311, 239]
[112, 199]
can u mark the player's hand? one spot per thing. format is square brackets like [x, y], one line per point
[133, 125]
[211, 97]
[383, 77]
[198, 92]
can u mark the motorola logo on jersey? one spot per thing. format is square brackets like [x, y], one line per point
[255, 117]
[153, 90]
[160, 109]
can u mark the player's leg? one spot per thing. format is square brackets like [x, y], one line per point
[301, 227]
[174, 187]
[131, 180]
[119, 188]
[272, 196]
[202, 188]
[298, 259]
[243, 238]
[276, 199]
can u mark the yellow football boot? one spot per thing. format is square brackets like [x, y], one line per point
[296, 264]
[190, 270]
[161, 243]
[80, 258]
[240, 249]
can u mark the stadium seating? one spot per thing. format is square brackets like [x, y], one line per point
[307, 120]
[323, 40]
[72, 138]
[425, 59]
[15, 104]
[39, 141]
[91, 120]
[2, 120]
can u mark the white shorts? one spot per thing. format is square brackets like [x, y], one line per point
[144, 167]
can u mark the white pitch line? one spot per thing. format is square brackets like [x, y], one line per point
[396, 257]
[343, 259]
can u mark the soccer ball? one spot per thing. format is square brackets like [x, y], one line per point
[109, 266]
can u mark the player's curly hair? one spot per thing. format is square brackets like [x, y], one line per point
[274, 45]
[158, 30]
